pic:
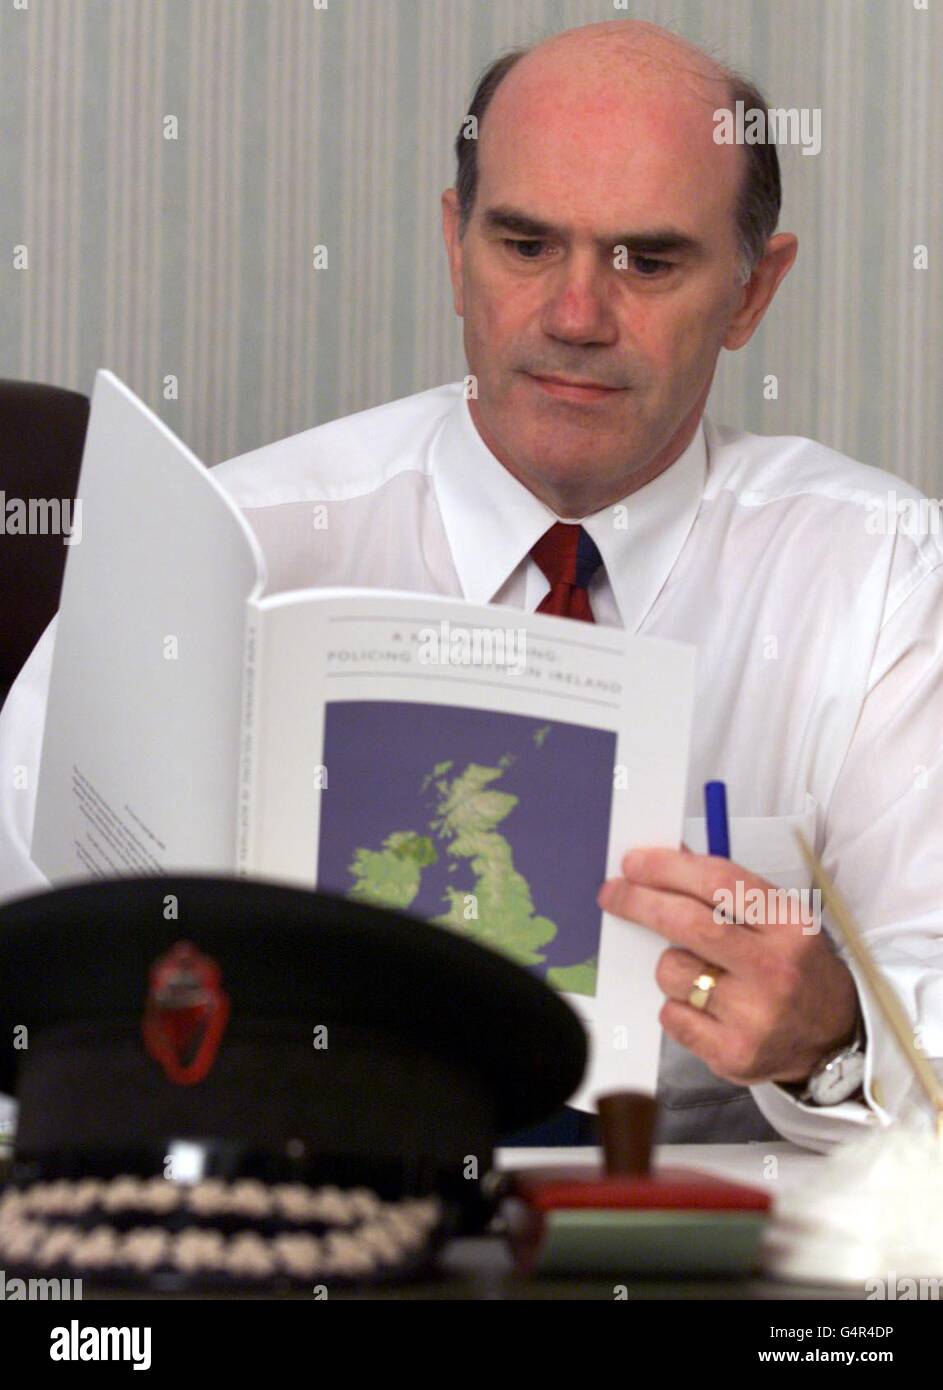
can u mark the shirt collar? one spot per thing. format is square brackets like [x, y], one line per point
[641, 537]
[491, 520]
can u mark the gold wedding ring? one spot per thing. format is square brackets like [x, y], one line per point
[701, 990]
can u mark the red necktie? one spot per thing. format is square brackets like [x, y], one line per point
[568, 558]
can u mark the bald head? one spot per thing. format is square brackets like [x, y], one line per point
[614, 46]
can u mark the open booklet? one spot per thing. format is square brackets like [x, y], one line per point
[476, 766]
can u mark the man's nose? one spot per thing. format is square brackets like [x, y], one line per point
[578, 308]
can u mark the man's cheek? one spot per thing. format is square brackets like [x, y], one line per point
[677, 369]
[492, 335]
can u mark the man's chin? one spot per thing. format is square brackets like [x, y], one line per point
[540, 445]
[580, 471]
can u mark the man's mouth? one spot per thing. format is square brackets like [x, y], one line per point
[576, 389]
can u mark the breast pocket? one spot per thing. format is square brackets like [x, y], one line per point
[767, 846]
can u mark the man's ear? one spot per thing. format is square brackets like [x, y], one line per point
[758, 292]
[453, 246]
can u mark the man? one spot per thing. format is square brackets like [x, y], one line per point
[603, 248]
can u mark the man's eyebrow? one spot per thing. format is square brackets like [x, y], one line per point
[509, 219]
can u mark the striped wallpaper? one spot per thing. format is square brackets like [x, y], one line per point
[304, 123]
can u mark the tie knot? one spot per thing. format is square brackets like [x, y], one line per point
[567, 555]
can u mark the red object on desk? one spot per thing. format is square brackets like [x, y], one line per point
[670, 1189]
[621, 1216]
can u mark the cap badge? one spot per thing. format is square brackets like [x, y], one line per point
[186, 1013]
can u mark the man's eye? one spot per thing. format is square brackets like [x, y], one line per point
[648, 267]
[516, 241]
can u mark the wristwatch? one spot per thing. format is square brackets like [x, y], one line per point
[839, 1076]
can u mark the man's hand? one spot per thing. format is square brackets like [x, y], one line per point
[783, 998]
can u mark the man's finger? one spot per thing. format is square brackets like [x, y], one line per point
[693, 1029]
[707, 877]
[677, 972]
[683, 920]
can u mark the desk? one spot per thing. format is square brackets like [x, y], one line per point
[480, 1267]
[740, 1162]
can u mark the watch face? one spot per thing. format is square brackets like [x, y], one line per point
[839, 1079]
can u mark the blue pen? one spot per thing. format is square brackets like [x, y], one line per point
[718, 831]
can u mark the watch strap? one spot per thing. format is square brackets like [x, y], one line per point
[802, 1090]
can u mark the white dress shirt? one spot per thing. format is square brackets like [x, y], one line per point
[820, 669]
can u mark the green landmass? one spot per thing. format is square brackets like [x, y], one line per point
[497, 910]
[574, 979]
[467, 817]
[390, 877]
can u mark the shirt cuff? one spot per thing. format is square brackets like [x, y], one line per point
[888, 1087]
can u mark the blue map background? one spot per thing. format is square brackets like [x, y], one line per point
[379, 753]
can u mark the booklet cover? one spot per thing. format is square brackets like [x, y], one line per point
[478, 767]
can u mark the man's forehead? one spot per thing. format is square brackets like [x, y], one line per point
[604, 152]
[567, 110]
